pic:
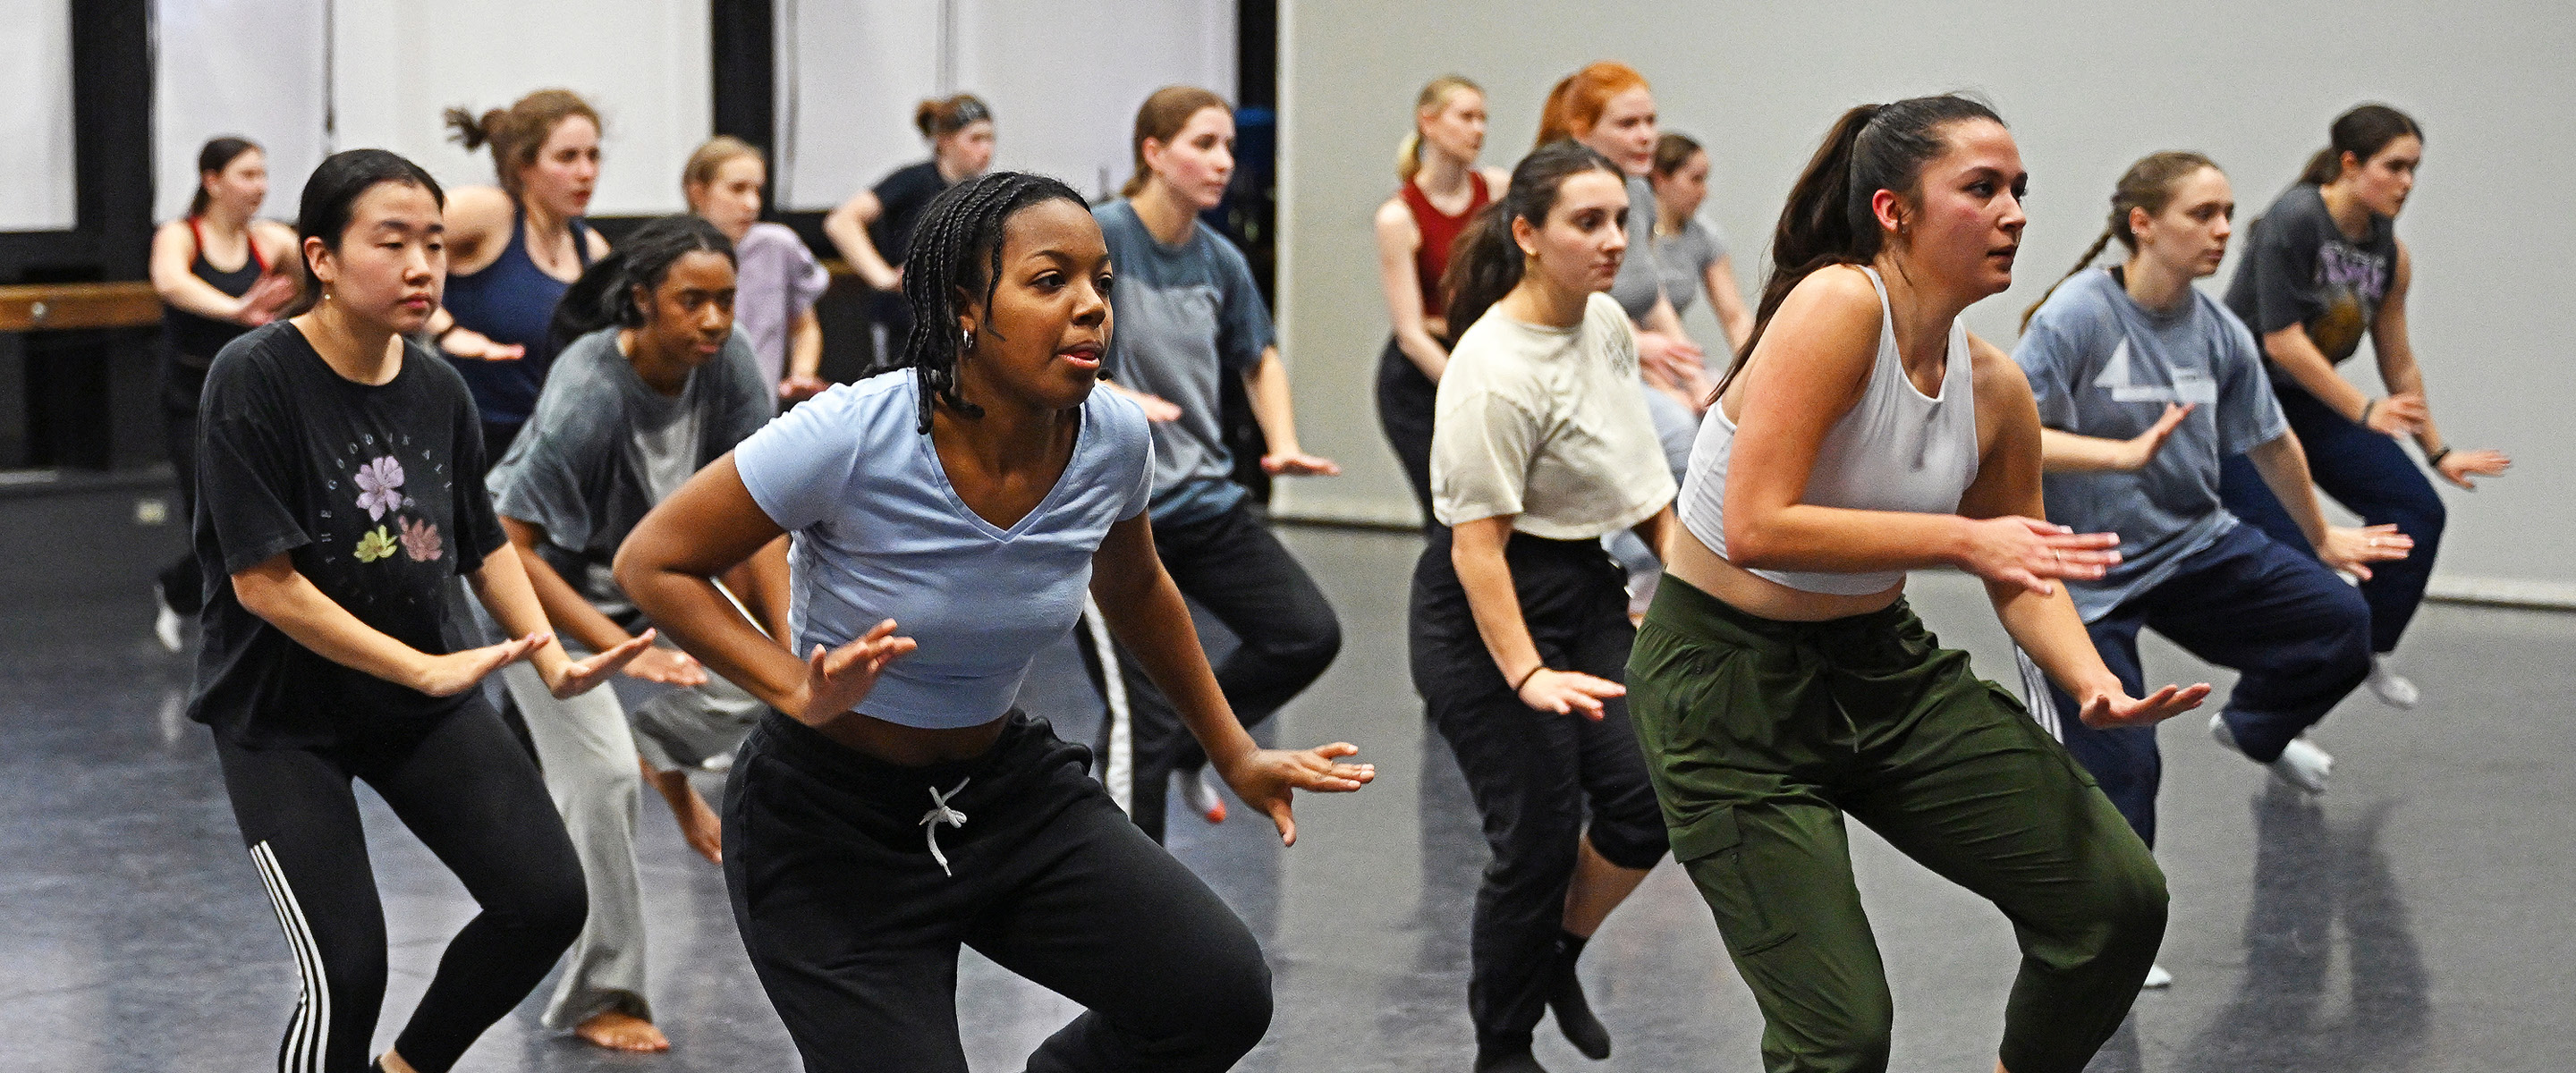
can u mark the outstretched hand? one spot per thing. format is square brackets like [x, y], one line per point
[582, 676]
[1267, 778]
[2114, 708]
[1299, 464]
[837, 680]
[472, 345]
[2142, 448]
[667, 666]
[2031, 553]
[2458, 465]
[1569, 692]
[2353, 550]
[456, 672]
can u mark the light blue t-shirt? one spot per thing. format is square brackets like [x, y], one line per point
[879, 533]
[2102, 365]
[1185, 316]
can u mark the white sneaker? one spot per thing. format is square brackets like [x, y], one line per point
[2393, 689]
[2300, 764]
[1199, 792]
[165, 622]
[2157, 979]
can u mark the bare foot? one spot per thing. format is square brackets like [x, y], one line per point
[698, 823]
[620, 1031]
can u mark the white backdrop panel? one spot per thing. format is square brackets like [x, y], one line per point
[2252, 86]
[248, 68]
[858, 69]
[643, 63]
[36, 177]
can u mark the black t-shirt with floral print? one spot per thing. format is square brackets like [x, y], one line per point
[369, 490]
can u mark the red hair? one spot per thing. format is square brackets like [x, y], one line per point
[1574, 107]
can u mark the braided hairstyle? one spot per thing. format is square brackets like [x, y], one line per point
[605, 293]
[955, 260]
[2148, 184]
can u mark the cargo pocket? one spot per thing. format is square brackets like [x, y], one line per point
[1711, 849]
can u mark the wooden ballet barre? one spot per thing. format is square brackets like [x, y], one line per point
[52, 306]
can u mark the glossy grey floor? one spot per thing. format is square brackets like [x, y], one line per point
[2414, 919]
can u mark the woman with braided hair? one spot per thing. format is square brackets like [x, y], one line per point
[896, 806]
[2143, 385]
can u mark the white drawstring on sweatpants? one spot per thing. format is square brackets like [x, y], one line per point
[940, 813]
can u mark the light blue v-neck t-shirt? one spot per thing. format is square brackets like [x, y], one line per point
[879, 533]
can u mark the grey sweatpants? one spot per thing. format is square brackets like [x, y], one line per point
[588, 750]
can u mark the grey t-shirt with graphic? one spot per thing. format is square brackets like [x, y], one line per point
[1184, 317]
[603, 447]
[2102, 365]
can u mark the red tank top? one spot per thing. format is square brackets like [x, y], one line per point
[1439, 230]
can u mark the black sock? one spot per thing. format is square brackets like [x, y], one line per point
[1565, 999]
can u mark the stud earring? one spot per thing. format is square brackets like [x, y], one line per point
[966, 338]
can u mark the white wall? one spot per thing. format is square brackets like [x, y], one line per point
[643, 64]
[36, 177]
[246, 68]
[2086, 92]
[1064, 79]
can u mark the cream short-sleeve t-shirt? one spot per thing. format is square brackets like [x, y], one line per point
[1547, 425]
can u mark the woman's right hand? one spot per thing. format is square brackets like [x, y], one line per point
[837, 680]
[456, 672]
[667, 666]
[2402, 414]
[261, 303]
[1567, 692]
[2111, 708]
[2142, 448]
[472, 345]
[2014, 550]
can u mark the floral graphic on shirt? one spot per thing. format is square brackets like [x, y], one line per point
[376, 544]
[380, 486]
[420, 540]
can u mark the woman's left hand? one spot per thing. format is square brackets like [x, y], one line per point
[1267, 778]
[581, 676]
[2456, 466]
[1299, 464]
[796, 389]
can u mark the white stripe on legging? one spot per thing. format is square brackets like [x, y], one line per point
[2036, 696]
[1119, 769]
[308, 1038]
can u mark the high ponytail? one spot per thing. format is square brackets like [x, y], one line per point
[604, 296]
[1485, 263]
[2148, 184]
[1828, 220]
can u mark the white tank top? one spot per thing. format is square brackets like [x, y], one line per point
[1894, 450]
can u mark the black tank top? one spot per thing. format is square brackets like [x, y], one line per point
[194, 339]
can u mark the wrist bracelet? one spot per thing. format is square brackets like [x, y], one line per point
[2366, 407]
[1525, 679]
[2435, 459]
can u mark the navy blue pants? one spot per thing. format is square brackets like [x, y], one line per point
[2371, 476]
[2295, 633]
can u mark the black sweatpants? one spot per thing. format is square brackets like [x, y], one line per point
[1533, 774]
[468, 790]
[855, 881]
[1234, 567]
[1405, 400]
[183, 585]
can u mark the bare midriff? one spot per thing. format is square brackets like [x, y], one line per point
[1702, 569]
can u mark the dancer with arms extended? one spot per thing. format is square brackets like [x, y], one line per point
[1189, 314]
[1519, 629]
[651, 382]
[946, 519]
[1781, 683]
[339, 467]
[2322, 268]
[2143, 384]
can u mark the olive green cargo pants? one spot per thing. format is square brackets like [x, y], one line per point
[1761, 735]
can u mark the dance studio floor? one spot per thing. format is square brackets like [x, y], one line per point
[2417, 918]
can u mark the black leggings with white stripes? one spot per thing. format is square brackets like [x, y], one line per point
[468, 790]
